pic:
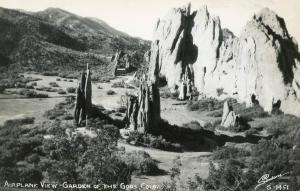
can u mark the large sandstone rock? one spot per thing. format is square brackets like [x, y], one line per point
[268, 63]
[261, 65]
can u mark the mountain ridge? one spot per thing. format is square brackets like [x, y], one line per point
[60, 38]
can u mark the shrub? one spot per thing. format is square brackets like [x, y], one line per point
[33, 84]
[194, 125]
[208, 104]
[220, 91]
[58, 79]
[121, 109]
[110, 92]
[216, 114]
[166, 93]
[256, 111]
[2, 88]
[19, 122]
[229, 152]
[47, 89]
[140, 162]
[50, 73]
[251, 131]
[59, 109]
[152, 141]
[61, 92]
[32, 94]
[29, 87]
[71, 90]
[53, 84]
[70, 80]
[118, 84]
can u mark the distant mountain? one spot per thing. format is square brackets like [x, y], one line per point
[97, 34]
[55, 39]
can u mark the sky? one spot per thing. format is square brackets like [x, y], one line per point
[138, 17]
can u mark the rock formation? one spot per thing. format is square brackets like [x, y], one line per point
[263, 64]
[83, 98]
[143, 111]
[123, 61]
[229, 118]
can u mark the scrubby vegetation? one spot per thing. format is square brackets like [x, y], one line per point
[140, 162]
[208, 104]
[152, 141]
[239, 169]
[47, 89]
[71, 89]
[121, 84]
[27, 155]
[53, 84]
[30, 93]
[61, 92]
[110, 92]
[60, 110]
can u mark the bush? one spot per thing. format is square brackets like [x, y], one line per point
[53, 84]
[2, 88]
[61, 92]
[208, 104]
[251, 131]
[31, 94]
[110, 92]
[71, 90]
[70, 80]
[47, 89]
[166, 93]
[121, 109]
[19, 122]
[216, 114]
[152, 141]
[229, 152]
[50, 73]
[140, 162]
[29, 87]
[193, 125]
[59, 109]
[33, 84]
[256, 111]
[58, 79]
[118, 84]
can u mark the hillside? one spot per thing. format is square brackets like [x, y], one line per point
[58, 40]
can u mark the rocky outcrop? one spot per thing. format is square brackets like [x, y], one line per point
[268, 64]
[83, 103]
[262, 65]
[143, 111]
[229, 118]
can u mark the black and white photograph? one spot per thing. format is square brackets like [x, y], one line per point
[149, 95]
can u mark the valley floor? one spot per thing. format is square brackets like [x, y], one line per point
[173, 111]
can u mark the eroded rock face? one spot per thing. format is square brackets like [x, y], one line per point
[83, 98]
[268, 63]
[143, 111]
[229, 117]
[262, 64]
